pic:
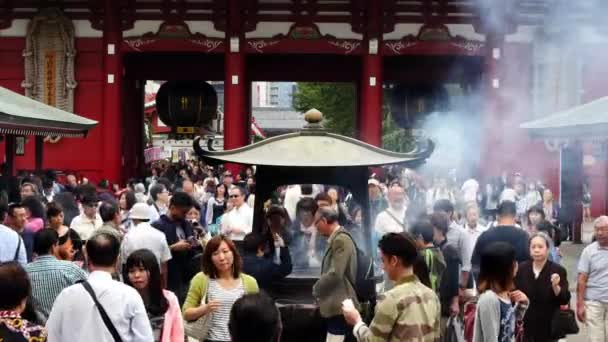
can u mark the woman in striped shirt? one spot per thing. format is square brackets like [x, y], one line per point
[215, 290]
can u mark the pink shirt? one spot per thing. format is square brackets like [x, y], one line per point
[173, 328]
[35, 224]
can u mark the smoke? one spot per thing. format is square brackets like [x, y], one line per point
[549, 63]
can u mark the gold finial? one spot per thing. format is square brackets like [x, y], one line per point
[313, 116]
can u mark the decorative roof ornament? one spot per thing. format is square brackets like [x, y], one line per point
[314, 147]
[314, 119]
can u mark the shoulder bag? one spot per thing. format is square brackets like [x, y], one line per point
[102, 312]
[199, 328]
[16, 257]
[563, 323]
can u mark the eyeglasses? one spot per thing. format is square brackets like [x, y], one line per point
[235, 196]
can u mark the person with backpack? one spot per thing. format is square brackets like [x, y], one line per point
[410, 311]
[423, 232]
[338, 274]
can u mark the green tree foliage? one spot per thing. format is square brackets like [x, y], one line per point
[337, 102]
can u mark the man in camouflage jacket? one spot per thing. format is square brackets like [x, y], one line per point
[409, 311]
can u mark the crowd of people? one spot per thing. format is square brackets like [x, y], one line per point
[166, 255]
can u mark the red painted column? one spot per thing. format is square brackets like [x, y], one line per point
[370, 110]
[236, 116]
[112, 111]
[370, 120]
[493, 143]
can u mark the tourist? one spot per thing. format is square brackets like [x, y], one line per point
[69, 207]
[377, 202]
[250, 184]
[265, 270]
[392, 219]
[546, 285]
[35, 213]
[457, 237]
[534, 215]
[239, 221]
[554, 233]
[70, 243]
[160, 201]
[255, 318]
[126, 201]
[489, 200]
[305, 243]
[12, 247]
[423, 233]
[140, 193]
[393, 321]
[144, 236]
[227, 179]
[440, 191]
[48, 275]
[533, 196]
[276, 231]
[592, 283]
[449, 289]
[498, 307]
[188, 187]
[194, 217]
[215, 290]
[89, 221]
[16, 220]
[473, 230]
[180, 238]
[15, 288]
[143, 274]
[216, 205]
[338, 273]
[77, 311]
[550, 208]
[110, 215]
[504, 231]
[28, 190]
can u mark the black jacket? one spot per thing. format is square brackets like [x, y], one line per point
[543, 301]
[264, 270]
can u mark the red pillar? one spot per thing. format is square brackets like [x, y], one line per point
[493, 106]
[112, 113]
[236, 117]
[370, 110]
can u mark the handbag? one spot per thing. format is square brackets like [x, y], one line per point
[199, 328]
[563, 323]
[455, 330]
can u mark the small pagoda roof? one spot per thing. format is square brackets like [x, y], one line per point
[313, 147]
[587, 121]
[21, 115]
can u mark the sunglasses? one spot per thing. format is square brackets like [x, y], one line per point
[235, 196]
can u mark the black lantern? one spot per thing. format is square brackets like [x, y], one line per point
[186, 103]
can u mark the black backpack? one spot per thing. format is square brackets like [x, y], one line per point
[365, 283]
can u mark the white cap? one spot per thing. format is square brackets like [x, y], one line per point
[373, 181]
[140, 211]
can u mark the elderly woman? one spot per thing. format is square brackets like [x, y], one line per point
[545, 283]
[15, 287]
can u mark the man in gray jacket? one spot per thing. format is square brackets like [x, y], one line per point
[338, 274]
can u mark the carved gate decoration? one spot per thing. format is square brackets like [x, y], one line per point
[49, 61]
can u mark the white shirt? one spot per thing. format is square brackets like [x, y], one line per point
[75, 317]
[385, 223]
[84, 226]
[145, 236]
[469, 190]
[241, 218]
[471, 237]
[508, 194]
[155, 213]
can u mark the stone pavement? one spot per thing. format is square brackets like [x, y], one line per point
[571, 253]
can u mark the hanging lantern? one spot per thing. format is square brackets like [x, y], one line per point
[410, 105]
[186, 103]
